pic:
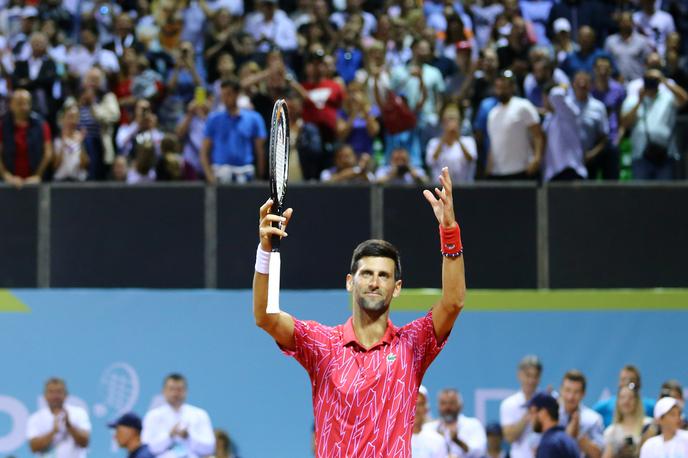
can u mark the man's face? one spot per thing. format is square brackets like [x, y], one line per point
[55, 395]
[38, 45]
[20, 104]
[626, 23]
[504, 89]
[449, 406]
[529, 377]
[627, 377]
[174, 392]
[88, 39]
[229, 97]
[124, 24]
[541, 71]
[586, 38]
[124, 434]
[671, 421]
[603, 68]
[373, 285]
[399, 157]
[571, 394]
[422, 51]
[581, 86]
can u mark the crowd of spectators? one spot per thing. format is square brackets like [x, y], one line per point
[533, 423]
[378, 90]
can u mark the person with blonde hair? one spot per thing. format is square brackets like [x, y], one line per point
[622, 437]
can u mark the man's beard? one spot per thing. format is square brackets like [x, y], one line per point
[449, 417]
[504, 98]
[537, 426]
[372, 305]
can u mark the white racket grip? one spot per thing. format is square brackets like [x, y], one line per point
[274, 283]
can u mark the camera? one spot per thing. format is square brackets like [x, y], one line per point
[650, 83]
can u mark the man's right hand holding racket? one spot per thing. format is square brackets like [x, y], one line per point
[279, 326]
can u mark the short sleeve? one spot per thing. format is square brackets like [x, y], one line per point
[426, 347]
[260, 126]
[312, 343]
[47, 136]
[529, 114]
[470, 145]
[210, 128]
[508, 415]
[33, 428]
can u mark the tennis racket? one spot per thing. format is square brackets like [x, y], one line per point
[279, 168]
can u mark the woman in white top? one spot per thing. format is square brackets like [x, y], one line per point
[452, 150]
[70, 160]
[622, 437]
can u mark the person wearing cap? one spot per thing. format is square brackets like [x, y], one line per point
[563, 44]
[464, 436]
[58, 430]
[670, 388]
[495, 440]
[425, 442]
[178, 429]
[673, 442]
[513, 412]
[581, 422]
[555, 441]
[128, 435]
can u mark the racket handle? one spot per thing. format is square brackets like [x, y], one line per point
[274, 283]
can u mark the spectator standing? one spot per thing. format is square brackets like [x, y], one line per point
[628, 375]
[514, 416]
[357, 123]
[543, 72]
[271, 28]
[583, 424]
[306, 155]
[464, 436]
[88, 53]
[191, 132]
[622, 437]
[593, 124]
[612, 94]
[98, 113]
[563, 152]
[555, 442]
[232, 149]
[584, 57]
[128, 436]
[425, 442]
[651, 118]
[182, 84]
[143, 128]
[58, 430]
[655, 24]
[451, 149]
[177, 426]
[512, 125]
[628, 48]
[70, 160]
[673, 441]
[26, 142]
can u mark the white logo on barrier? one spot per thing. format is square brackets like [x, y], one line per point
[19, 415]
[119, 390]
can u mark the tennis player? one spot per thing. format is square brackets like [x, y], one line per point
[365, 373]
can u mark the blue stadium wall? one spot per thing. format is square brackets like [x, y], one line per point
[113, 347]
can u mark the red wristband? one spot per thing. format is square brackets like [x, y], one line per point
[450, 241]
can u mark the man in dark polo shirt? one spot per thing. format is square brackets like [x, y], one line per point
[555, 442]
[365, 373]
[128, 435]
[25, 142]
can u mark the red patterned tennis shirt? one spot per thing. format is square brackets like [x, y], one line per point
[364, 401]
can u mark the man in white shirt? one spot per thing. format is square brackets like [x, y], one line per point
[655, 24]
[271, 27]
[673, 442]
[516, 139]
[58, 430]
[513, 412]
[88, 53]
[425, 442]
[177, 429]
[582, 423]
[465, 436]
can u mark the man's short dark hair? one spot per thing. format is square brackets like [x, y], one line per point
[377, 248]
[55, 381]
[575, 375]
[174, 376]
[231, 82]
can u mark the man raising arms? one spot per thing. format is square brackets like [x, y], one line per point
[365, 373]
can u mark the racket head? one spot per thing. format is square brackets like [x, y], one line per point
[279, 154]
